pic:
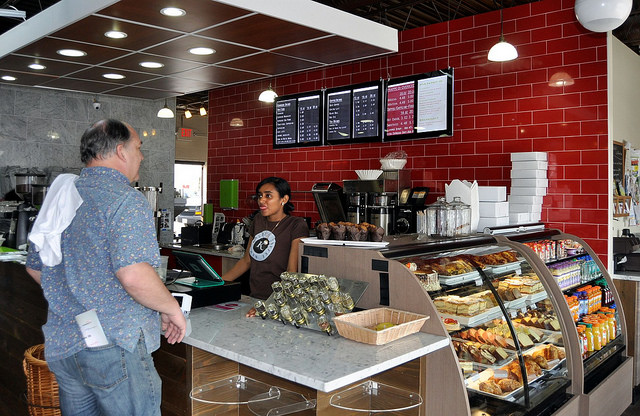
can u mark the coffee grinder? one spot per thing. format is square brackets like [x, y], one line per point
[357, 209]
[410, 202]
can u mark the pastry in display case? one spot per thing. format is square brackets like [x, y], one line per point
[587, 291]
[506, 336]
[533, 318]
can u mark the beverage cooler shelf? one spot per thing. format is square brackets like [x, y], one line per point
[374, 397]
[260, 398]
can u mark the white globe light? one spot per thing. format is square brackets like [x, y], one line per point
[602, 15]
[502, 52]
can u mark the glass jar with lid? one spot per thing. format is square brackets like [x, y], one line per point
[434, 214]
[462, 217]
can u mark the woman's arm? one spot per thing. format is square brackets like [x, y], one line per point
[292, 265]
[240, 267]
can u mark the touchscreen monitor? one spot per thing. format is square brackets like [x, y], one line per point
[202, 273]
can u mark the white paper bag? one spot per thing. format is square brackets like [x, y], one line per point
[468, 193]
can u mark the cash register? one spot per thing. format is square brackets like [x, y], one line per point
[203, 283]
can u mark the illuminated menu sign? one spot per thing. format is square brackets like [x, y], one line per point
[309, 119]
[400, 108]
[419, 106]
[366, 112]
[285, 122]
[339, 115]
[432, 104]
[298, 120]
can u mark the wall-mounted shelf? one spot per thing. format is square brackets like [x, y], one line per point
[620, 205]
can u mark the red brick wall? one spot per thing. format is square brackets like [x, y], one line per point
[499, 108]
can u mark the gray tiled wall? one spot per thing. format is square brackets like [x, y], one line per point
[41, 128]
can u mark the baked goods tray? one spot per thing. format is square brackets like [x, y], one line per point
[553, 364]
[516, 304]
[361, 244]
[458, 279]
[502, 268]
[473, 383]
[535, 297]
[498, 364]
[475, 320]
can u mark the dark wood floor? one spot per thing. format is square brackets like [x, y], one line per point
[634, 409]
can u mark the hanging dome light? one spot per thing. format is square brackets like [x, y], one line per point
[268, 95]
[561, 79]
[502, 51]
[165, 112]
[602, 15]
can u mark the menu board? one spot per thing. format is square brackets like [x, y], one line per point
[309, 119]
[298, 120]
[400, 106]
[285, 122]
[419, 106]
[353, 113]
[366, 111]
[339, 115]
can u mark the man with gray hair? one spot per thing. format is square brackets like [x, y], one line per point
[104, 294]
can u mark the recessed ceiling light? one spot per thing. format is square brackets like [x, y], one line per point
[36, 66]
[201, 51]
[151, 64]
[173, 12]
[8, 78]
[113, 76]
[115, 34]
[71, 52]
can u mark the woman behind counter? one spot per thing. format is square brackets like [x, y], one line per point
[274, 238]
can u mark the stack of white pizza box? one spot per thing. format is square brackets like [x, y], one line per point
[493, 207]
[528, 186]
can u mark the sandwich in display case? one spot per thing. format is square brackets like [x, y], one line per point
[532, 319]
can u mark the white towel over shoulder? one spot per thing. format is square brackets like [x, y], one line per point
[57, 211]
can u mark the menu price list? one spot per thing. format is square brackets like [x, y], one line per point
[400, 108]
[285, 128]
[309, 119]
[339, 115]
[365, 111]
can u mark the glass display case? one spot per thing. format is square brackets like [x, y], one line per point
[503, 326]
[535, 322]
[589, 295]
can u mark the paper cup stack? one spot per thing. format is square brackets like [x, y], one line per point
[528, 186]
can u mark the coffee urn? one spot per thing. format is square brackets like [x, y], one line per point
[357, 209]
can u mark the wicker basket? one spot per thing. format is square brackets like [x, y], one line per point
[42, 388]
[356, 325]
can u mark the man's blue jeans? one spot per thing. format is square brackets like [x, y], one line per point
[108, 381]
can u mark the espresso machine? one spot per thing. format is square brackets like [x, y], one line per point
[376, 201]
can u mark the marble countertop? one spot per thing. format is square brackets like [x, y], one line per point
[303, 356]
[206, 250]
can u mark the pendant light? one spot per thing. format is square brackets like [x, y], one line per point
[502, 51]
[268, 95]
[203, 111]
[165, 112]
[188, 114]
[602, 15]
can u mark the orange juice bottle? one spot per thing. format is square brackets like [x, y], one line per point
[597, 334]
[604, 325]
[582, 338]
[612, 325]
[588, 331]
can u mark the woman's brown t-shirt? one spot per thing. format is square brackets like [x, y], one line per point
[269, 251]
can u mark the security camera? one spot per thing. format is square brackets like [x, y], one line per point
[96, 105]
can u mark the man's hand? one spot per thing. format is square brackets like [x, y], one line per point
[174, 327]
